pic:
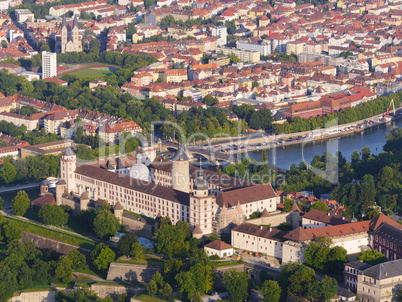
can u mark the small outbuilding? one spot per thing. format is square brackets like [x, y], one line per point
[220, 248]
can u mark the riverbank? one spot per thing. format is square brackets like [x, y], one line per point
[258, 142]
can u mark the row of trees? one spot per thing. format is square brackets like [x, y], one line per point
[344, 116]
[31, 168]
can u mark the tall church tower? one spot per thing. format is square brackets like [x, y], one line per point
[67, 169]
[75, 35]
[201, 205]
[64, 35]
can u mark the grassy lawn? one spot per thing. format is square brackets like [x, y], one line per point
[149, 260]
[93, 271]
[83, 65]
[147, 298]
[32, 289]
[226, 263]
[91, 72]
[53, 234]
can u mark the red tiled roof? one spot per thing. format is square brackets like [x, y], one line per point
[245, 195]
[218, 245]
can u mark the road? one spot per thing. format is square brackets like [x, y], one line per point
[19, 187]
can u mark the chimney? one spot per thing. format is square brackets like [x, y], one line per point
[270, 229]
[261, 227]
[343, 218]
[328, 214]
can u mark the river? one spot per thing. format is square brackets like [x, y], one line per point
[33, 193]
[284, 157]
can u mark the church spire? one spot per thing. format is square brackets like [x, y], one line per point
[75, 23]
[63, 22]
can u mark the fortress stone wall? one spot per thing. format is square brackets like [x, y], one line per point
[131, 272]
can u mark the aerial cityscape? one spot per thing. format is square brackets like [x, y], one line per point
[200, 150]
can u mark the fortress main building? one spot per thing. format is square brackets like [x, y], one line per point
[209, 201]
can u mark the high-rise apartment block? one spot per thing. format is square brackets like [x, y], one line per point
[49, 65]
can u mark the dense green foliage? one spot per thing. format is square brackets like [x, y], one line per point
[320, 256]
[7, 172]
[261, 119]
[9, 230]
[271, 291]
[35, 168]
[106, 224]
[21, 203]
[372, 257]
[52, 214]
[102, 255]
[125, 243]
[172, 240]
[237, 284]
[24, 266]
[300, 279]
[344, 116]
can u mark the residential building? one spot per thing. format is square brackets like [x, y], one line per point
[244, 55]
[263, 47]
[49, 64]
[23, 15]
[221, 33]
[351, 271]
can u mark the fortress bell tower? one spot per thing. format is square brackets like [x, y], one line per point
[201, 205]
[67, 169]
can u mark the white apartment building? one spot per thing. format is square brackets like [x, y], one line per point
[49, 65]
[23, 15]
[221, 33]
[264, 48]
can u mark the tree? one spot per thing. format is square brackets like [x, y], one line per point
[355, 156]
[2, 207]
[4, 44]
[21, 203]
[327, 288]
[125, 244]
[337, 256]
[209, 100]
[372, 257]
[255, 84]
[7, 171]
[64, 269]
[152, 288]
[52, 214]
[166, 291]
[102, 255]
[12, 231]
[158, 279]
[271, 291]
[106, 224]
[287, 205]
[78, 260]
[320, 205]
[237, 285]
[366, 152]
[298, 277]
[203, 277]
[136, 251]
